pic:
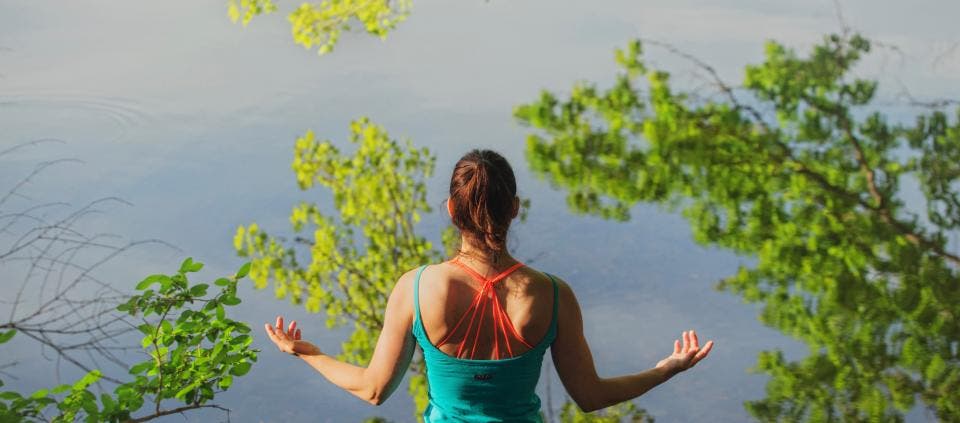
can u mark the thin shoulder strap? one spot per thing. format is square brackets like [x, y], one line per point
[416, 292]
[556, 300]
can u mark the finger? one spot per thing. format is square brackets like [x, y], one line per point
[676, 346]
[703, 353]
[688, 359]
[693, 339]
[279, 323]
[686, 341]
[270, 333]
[292, 327]
[297, 335]
[278, 333]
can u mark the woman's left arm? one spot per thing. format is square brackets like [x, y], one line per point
[391, 357]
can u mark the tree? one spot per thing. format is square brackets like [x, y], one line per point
[320, 24]
[355, 254]
[799, 171]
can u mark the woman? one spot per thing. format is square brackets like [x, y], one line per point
[484, 321]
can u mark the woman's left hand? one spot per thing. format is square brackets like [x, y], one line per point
[685, 355]
[289, 340]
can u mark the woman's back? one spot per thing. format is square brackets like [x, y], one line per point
[448, 290]
[483, 340]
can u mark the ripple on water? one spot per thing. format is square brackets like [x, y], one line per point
[123, 114]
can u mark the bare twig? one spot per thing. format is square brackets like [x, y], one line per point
[60, 303]
[910, 100]
[838, 10]
[179, 410]
[717, 81]
[949, 51]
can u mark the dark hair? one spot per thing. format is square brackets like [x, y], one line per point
[483, 189]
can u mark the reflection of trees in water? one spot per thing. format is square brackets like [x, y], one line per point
[797, 170]
[52, 293]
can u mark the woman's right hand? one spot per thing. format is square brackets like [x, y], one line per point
[686, 355]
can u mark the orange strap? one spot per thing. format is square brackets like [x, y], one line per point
[486, 298]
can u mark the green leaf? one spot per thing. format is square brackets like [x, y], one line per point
[241, 340]
[181, 393]
[212, 304]
[90, 406]
[240, 369]
[147, 329]
[185, 316]
[10, 395]
[142, 367]
[6, 336]
[108, 403]
[87, 380]
[152, 279]
[230, 300]
[199, 290]
[243, 271]
[189, 265]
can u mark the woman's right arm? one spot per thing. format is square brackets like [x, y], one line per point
[574, 362]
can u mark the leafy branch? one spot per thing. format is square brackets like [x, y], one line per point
[321, 24]
[193, 356]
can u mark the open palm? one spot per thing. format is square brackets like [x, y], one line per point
[288, 340]
[685, 355]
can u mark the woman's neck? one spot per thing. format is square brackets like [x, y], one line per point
[471, 251]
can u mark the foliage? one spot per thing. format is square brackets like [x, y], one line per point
[195, 351]
[623, 412]
[355, 254]
[320, 24]
[799, 172]
[245, 10]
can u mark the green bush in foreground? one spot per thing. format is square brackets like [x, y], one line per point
[195, 352]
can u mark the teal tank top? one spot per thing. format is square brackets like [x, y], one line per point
[465, 390]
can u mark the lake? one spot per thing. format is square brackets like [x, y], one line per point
[192, 119]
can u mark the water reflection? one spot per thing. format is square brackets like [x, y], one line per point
[798, 172]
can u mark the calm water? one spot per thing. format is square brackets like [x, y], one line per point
[192, 120]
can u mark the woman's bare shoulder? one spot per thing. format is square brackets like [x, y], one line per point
[406, 281]
[565, 291]
[536, 281]
[431, 279]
